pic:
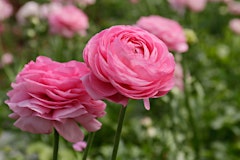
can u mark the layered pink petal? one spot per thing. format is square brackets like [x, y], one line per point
[34, 125]
[127, 62]
[69, 130]
[49, 94]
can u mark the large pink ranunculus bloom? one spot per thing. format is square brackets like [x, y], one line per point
[68, 21]
[169, 31]
[128, 62]
[49, 94]
[6, 10]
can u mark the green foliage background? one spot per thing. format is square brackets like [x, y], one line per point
[201, 123]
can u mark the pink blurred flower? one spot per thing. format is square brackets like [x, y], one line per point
[193, 5]
[178, 5]
[7, 58]
[128, 62]
[179, 77]
[134, 1]
[6, 10]
[79, 146]
[196, 5]
[67, 21]
[169, 31]
[234, 7]
[234, 25]
[46, 9]
[80, 2]
[49, 94]
[225, 1]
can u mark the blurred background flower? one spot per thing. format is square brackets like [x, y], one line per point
[68, 21]
[6, 9]
[167, 30]
[234, 25]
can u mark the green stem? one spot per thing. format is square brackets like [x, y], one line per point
[118, 133]
[89, 144]
[191, 117]
[56, 143]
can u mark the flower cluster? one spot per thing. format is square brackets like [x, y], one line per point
[49, 94]
[121, 62]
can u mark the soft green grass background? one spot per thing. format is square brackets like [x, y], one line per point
[203, 123]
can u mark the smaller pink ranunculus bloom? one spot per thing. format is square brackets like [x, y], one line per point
[169, 31]
[6, 10]
[79, 146]
[128, 62]
[48, 94]
[68, 21]
[234, 25]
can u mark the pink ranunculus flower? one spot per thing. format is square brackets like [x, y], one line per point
[6, 10]
[49, 94]
[169, 31]
[234, 25]
[68, 21]
[128, 62]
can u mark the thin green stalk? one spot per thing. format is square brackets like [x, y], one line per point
[118, 132]
[55, 145]
[89, 144]
[192, 120]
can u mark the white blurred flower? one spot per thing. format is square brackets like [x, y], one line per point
[29, 9]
